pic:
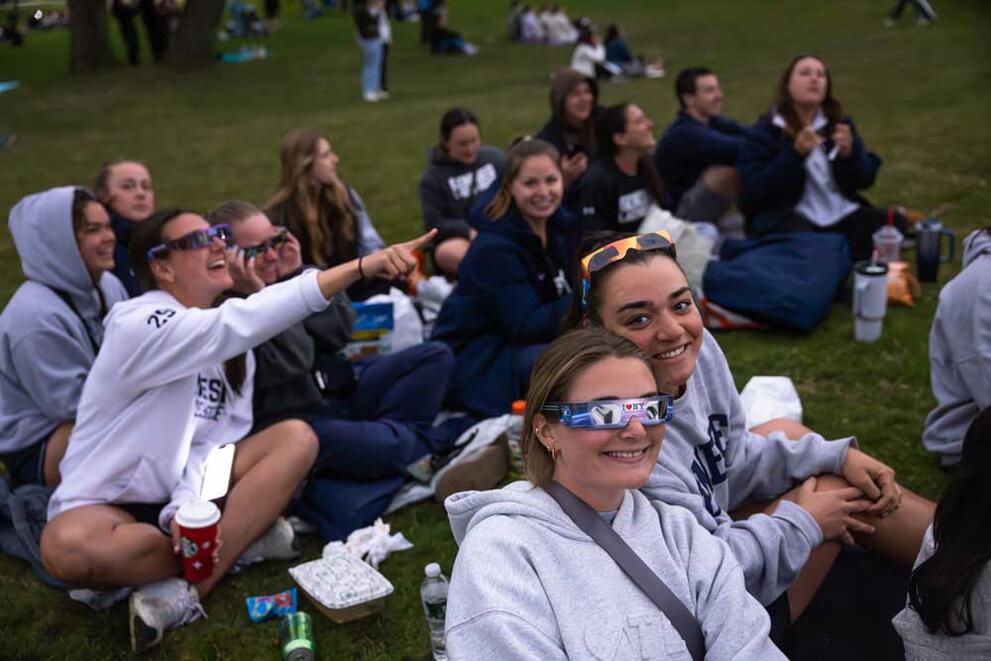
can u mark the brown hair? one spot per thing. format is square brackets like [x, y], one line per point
[555, 369]
[80, 198]
[784, 105]
[518, 154]
[101, 185]
[232, 212]
[321, 216]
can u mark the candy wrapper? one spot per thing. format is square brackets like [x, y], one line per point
[271, 605]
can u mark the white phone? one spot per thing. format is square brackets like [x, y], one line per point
[217, 473]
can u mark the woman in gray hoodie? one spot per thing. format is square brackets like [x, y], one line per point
[528, 583]
[52, 327]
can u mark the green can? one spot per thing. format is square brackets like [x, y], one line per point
[296, 634]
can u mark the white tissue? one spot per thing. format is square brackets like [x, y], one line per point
[372, 544]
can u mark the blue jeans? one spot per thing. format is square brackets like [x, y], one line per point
[371, 65]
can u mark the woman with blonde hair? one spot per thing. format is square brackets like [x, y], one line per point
[320, 209]
[532, 580]
[512, 289]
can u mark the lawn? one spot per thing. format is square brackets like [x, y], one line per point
[921, 98]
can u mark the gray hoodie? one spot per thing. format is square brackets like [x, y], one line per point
[529, 584]
[46, 349]
[711, 464]
[960, 351]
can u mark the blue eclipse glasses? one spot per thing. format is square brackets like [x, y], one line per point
[612, 413]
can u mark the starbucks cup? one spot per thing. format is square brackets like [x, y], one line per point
[197, 521]
[870, 300]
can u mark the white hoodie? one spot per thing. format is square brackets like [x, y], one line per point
[155, 402]
[529, 584]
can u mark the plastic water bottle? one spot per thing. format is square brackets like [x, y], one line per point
[433, 592]
[514, 433]
[888, 241]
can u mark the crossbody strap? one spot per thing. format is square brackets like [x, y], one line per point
[589, 521]
[67, 299]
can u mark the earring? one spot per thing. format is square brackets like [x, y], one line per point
[553, 452]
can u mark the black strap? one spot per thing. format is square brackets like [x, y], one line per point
[64, 295]
[589, 521]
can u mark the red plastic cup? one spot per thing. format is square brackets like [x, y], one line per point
[197, 522]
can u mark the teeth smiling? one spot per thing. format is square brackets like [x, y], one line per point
[673, 353]
[626, 455]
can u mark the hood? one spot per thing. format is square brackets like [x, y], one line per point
[41, 225]
[562, 83]
[467, 509]
[515, 227]
[976, 244]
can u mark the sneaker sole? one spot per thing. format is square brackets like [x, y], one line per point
[484, 470]
[143, 637]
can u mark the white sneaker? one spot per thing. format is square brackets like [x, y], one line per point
[159, 606]
[277, 543]
[382, 95]
[371, 97]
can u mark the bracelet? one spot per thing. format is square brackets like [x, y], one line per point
[361, 273]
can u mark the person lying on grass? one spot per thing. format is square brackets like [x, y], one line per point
[780, 495]
[159, 398]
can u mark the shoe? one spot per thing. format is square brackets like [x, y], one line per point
[371, 97]
[277, 543]
[382, 95]
[652, 71]
[479, 471]
[159, 606]
[924, 22]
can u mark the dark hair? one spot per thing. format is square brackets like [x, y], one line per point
[785, 106]
[555, 369]
[940, 588]
[80, 198]
[515, 158]
[452, 119]
[612, 32]
[593, 241]
[146, 236]
[586, 36]
[685, 82]
[610, 121]
[101, 184]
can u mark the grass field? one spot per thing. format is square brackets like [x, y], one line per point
[921, 98]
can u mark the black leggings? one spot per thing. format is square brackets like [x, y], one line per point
[858, 227]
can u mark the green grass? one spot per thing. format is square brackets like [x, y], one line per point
[921, 97]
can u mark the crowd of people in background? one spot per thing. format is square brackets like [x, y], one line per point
[144, 338]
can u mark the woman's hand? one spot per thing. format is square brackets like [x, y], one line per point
[807, 140]
[396, 261]
[875, 479]
[573, 167]
[242, 271]
[833, 510]
[843, 137]
[290, 255]
[177, 541]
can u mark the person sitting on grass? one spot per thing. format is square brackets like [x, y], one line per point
[960, 351]
[558, 27]
[571, 128]
[327, 216]
[803, 164]
[512, 289]
[372, 423]
[948, 614]
[594, 427]
[783, 498]
[52, 327]
[125, 189]
[621, 184]
[158, 399]
[459, 170]
[696, 156]
[618, 53]
[589, 56]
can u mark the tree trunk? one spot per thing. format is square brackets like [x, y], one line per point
[192, 43]
[88, 36]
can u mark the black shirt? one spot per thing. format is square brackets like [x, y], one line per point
[610, 199]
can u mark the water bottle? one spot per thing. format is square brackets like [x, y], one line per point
[514, 433]
[433, 592]
[929, 248]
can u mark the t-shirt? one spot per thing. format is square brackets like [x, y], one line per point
[610, 199]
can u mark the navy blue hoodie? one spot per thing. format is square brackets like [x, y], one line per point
[773, 174]
[511, 295]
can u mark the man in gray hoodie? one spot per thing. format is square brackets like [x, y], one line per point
[960, 351]
[53, 325]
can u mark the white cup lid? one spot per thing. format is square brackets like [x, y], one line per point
[197, 514]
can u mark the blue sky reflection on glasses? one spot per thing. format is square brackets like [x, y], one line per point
[194, 240]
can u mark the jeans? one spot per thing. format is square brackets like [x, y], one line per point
[371, 65]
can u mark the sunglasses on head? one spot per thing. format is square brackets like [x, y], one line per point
[194, 240]
[612, 413]
[273, 243]
[616, 251]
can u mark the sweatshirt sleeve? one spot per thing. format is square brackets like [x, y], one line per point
[858, 170]
[432, 205]
[768, 174]
[734, 624]
[189, 484]
[710, 145]
[52, 369]
[514, 303]
[157, 345]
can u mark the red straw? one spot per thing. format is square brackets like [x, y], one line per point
[891, 216]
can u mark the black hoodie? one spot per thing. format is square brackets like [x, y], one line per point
[449, 188]
[567, 139]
